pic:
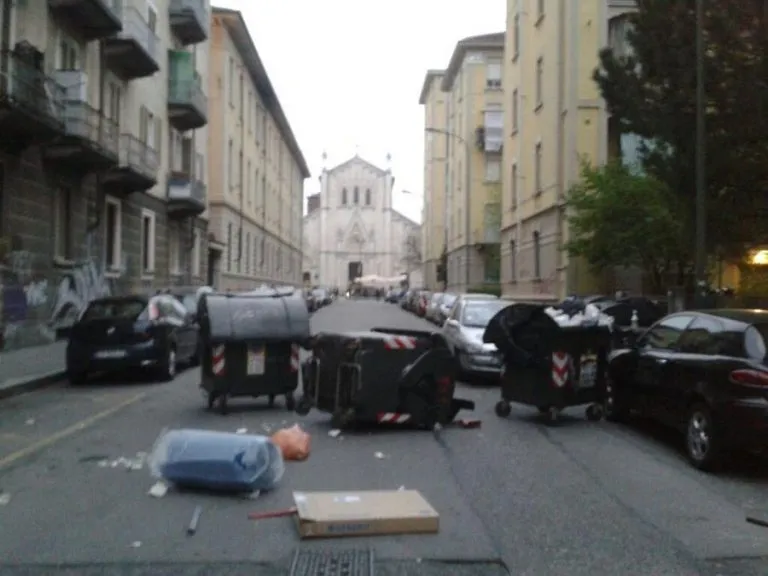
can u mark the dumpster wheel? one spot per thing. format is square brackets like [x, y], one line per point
[290, 402]
[304, 406]
[503, 409]
[223, 404]
[594, 412]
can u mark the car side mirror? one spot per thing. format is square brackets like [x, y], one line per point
[451, 323]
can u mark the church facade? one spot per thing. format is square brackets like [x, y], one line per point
[352, 230]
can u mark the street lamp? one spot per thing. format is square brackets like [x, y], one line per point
[467, 220]
[701, 179]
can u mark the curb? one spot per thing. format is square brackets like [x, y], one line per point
[22, 386]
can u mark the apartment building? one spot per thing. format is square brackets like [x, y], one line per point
[474, 95]
[554, 117]
[256, 168]
[102, 181]
[434, 240]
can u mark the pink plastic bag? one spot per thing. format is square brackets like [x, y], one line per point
[293, 442]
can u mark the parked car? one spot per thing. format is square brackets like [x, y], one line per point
[463, 331]
[446, 303]
[702, 373]
[322, 297]
[433, 307]
[155, 333]
[406, 303]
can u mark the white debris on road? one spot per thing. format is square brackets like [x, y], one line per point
[136, 544]
[379, 455]
[130, 464]
[334, 433]
[5, 498]
[30, 422]
[241, 431]
[158, 490]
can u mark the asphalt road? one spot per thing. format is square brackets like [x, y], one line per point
[515, 497]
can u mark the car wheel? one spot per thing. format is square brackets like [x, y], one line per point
[702, 438]
[168, 370]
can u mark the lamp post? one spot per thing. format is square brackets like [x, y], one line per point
[449, 193]
[701, 180]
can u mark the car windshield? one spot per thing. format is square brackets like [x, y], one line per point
[477, 314]
[128, 309]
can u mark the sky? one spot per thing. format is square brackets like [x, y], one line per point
[348, 74]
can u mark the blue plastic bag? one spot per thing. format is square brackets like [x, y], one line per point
[217, 460]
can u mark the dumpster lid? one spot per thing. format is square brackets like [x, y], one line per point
[266, 316]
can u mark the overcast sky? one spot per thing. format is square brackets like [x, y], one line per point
[348, 74]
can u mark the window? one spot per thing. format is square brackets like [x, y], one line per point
[239, 259]
[261, 253]
[229, 247]
[515, 110]
[513, 186]
[512, 261]
[248, 253]
[242, 97]
[197, 249]
[250, 111]
[754, 342]
[707, 336]
[492, 169]
[152, 17]
[539, 10]
[356, 196]
[112, 233]
[69, 54]
[147, 242]
[174, 250]
[231, 163]
[493, 75]
[539, 82]
[62, 226]
[516, 36]
[248, 191]
[536, 255]
[344, 196]
[537, 170]
[231, 83]
[255, 252]
[113, 102]
[367, 196]
[665, 334]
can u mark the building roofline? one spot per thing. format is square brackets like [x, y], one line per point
[482, 42]
[428, 77]
[238, 31]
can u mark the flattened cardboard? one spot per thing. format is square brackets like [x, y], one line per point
[364, 513]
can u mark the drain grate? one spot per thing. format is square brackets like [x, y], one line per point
[332, 563]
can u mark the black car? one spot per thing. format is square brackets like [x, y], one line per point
[704, 373]
[154, 333]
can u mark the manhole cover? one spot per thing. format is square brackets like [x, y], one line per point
[332, 563]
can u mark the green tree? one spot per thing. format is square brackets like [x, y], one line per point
[652, 93]
[620, 218]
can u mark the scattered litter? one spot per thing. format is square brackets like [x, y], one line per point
[98, 458]
[5, 498]
[30, 422]
[158, 490]
[437, 427]
[272, 514]
[242, 431]
[135, 463]
[294, 443]
[757, 521]
[379, 455]
[401, 488]
[136, 544]
[192, 528]
[219, 461]
[470, 423]
[334, 433]
[267, 428]
[253, 495]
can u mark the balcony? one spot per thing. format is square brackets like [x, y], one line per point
[92, 19]
[89, 142]
[186, 195]
[133, 52]
[31, 103]
[136, 169]
[187, 105]
[189, 21]
[490, 233]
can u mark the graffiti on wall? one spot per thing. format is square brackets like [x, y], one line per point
[38, 300]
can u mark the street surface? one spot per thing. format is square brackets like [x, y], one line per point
[580, 499]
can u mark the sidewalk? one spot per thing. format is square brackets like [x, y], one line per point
[25, 369]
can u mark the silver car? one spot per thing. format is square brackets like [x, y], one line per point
[463, 330]
[433, 307]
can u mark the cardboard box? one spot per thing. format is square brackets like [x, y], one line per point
[364, 513]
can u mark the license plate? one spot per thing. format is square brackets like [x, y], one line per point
[109, 354]
[256, 362]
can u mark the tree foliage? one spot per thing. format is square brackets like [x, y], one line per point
[619, 218]
[652, 93]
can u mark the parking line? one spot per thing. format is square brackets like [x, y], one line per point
[69, 431]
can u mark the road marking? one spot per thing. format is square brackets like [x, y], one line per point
[69, 431]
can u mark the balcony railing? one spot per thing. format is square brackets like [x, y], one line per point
[83, 121]
[30, 90]
[93, 19]
[134, 52]
[187, 93]
[189, 20]
[137, 155]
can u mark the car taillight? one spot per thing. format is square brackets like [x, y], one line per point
[154, 313]
[750, 377]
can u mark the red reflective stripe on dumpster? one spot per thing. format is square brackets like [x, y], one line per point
[217, 358]
[400, 343]
[294, 357]
[560, 361]
[392, 418]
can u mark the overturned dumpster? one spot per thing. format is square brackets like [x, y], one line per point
[250, 346]
[548, 366]
[382, 376]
